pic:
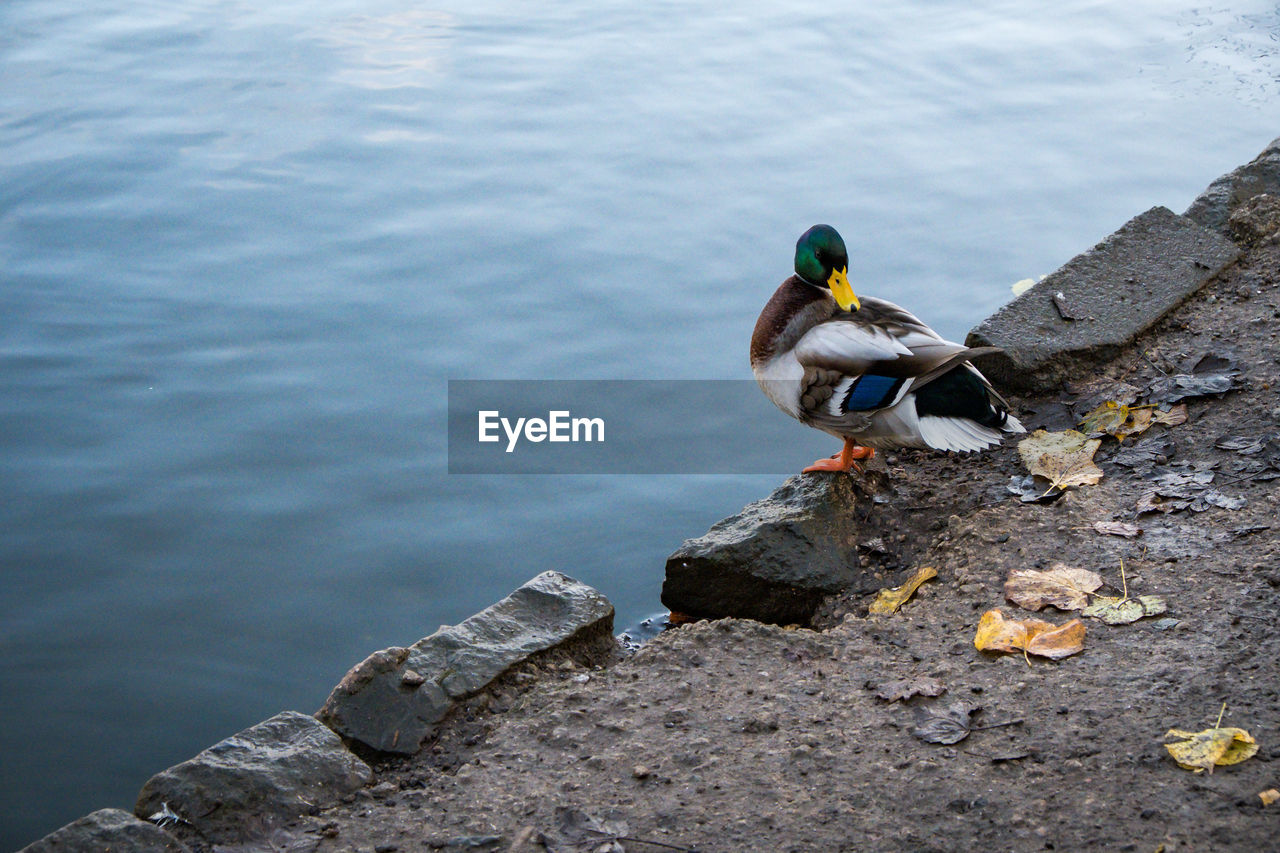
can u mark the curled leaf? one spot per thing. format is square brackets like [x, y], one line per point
[1199, 751]
[889, 600]
[1065, 459]
[1061, 586]
[948, 726]
[1117, 528]
[1030, 636]
[1122, 611]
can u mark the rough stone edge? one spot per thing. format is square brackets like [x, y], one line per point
[1212, 208]
[263, 821]
[1006, 370]
[589, 644]
[123, 833]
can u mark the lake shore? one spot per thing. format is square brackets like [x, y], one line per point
[730, 734]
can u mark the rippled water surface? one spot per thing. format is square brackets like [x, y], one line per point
[244, 246]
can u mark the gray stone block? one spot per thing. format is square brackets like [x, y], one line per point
[245, 787]
[1099, 301]
[1215, 205]
[777, 559]
[395, 698]
[107, 829]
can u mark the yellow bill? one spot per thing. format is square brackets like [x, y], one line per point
[842, 291]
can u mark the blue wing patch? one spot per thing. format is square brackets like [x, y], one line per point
[871, 392]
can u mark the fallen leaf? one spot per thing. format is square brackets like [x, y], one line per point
[1030, 636]
[1171, 491]
[949, 726]
[1092, 393]
[1065, 459]
[1243, 444]
[1175, 416]
[1269, 796]
[1118, 419]
[1122, 611]
[1146, 454]
[905, 688]
[1107, 417]
[1210, 362]
[1171, 389]
[889, 600]
[1117, 528]
[585, 832]
[1061, 586]
[1032, 489]
[1022, 285]
[1199, 751]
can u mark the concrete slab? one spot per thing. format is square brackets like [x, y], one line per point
[1099, 301]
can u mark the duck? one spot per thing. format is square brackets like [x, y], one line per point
[868, 371]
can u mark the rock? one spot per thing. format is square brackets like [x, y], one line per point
[107, 829]
[243, 788]
[775, 560]
[377, 705]
[1255, 219]
[1214, 206]
[1099, 301]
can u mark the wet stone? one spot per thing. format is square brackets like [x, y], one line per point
[107, 829]
[243, 788]
[396, 697]
[1114, 291]
[776, 559]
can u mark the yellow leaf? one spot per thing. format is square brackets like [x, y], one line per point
[1065, 459]
[1122, 611]
[889, 600]
[1269, 796]
[1112, 418]
[1199, 751]
[1061, 586]
[1104, 419]
[1030, 636]
[1139, 421]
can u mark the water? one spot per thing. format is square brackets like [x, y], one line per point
[244, 249]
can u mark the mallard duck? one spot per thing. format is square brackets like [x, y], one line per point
[866, 370]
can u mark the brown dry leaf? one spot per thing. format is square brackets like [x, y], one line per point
[1030, 636]
[1269, 796]
[1173, 417]
[1140, 420]
[904, 688]
[1117, 528]
[1199, 751]
[889, 600]
[1061, 586]
[1065, 459]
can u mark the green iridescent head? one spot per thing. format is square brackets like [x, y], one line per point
[823, 261]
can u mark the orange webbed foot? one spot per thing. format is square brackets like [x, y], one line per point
[844, 460]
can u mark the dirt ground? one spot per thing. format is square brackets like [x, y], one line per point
[735, 736]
